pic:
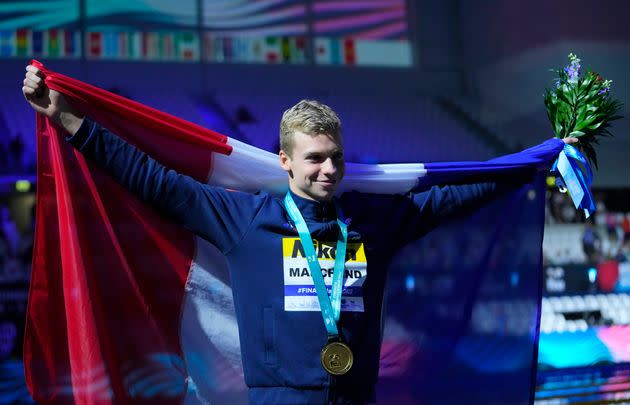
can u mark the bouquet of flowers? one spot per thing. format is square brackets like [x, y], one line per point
[581, 106]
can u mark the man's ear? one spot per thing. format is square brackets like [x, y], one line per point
[285, 161]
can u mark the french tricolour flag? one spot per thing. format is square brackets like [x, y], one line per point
[128, 307]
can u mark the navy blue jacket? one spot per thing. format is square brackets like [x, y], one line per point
[281, 349]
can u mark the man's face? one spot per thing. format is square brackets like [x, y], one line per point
[315, 167]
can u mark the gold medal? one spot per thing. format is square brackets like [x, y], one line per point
[336, 358]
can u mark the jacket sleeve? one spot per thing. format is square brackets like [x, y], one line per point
[403, 218]
[425, 210]
[505, 174]
[400, 219]
[220, 216]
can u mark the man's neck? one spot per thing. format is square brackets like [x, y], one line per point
[305, 196]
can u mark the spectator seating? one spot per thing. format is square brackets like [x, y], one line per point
[578, 312]
[410, 129]
[562, 243]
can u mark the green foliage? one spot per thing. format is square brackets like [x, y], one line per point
[581, 106]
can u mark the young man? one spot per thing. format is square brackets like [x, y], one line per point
[300, 344]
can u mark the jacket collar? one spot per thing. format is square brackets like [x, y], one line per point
[313, 210]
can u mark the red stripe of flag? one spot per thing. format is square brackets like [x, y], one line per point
[68, 42]
[95, 47]
[350, 54]
[122, 44]
[145, 45]
[21, 36]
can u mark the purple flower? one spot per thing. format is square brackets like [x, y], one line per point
[573, 69]
[605, 87]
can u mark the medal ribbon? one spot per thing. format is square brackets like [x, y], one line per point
[330, 306]
[574, 173]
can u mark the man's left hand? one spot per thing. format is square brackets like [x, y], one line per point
[570, 140]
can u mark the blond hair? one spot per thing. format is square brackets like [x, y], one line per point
[312, 118]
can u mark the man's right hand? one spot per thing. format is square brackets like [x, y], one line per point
[50, 102]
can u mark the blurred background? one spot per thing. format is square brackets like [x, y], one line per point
[450, 80]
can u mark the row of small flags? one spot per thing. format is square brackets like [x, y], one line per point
[295, 50]
[134, 45]
[55, 43]
[274, 50]
[184, 46]
[254, 49]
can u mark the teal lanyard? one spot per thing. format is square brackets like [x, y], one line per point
[330, 307]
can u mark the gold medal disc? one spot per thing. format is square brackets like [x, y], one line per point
[336, 358]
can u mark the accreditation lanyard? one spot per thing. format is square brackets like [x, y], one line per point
[330, 306]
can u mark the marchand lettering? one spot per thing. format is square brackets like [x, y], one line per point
[324, 251]
[299, 272]
[328, 272]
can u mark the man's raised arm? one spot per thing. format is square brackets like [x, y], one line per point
[217, 215]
